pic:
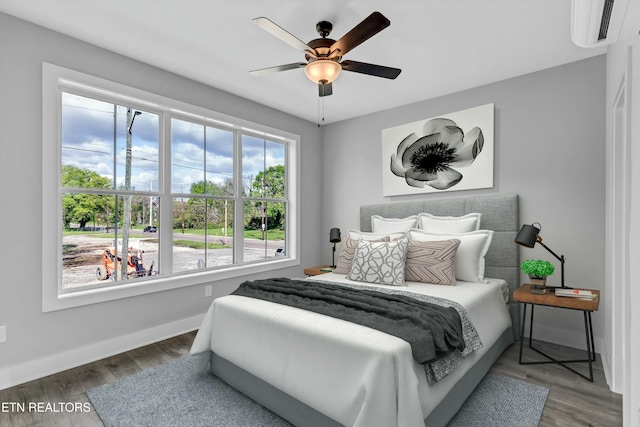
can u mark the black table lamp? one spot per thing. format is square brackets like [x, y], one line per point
[529, 235]
[334, 237]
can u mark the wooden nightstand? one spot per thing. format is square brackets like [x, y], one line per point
[314, 271]
[524, 295]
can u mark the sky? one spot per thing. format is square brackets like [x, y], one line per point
[88, 141]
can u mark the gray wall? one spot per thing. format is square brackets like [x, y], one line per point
[549, 149]
[30, 333]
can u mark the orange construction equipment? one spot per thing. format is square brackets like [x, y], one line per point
[110, 265]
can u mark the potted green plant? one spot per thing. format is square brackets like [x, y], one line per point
[538, 270]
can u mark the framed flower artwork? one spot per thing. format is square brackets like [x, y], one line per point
[450, 152]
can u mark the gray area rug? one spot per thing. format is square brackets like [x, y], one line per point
[502, 401]
[174, 395]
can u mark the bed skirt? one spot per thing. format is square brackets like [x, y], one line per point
[300, 414]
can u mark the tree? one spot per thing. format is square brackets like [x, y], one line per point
[205, 213]
[82, 208]
[268, 184]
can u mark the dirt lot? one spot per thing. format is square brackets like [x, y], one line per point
[82, 253]
[81, 256]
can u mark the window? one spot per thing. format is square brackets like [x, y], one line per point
[264, 196]
[202, 191]
[109, 162]
[148, 193]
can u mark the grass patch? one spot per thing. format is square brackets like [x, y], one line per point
[198, 245]
[201, 232]
[100, 234]
[270, 235]
[248, 234]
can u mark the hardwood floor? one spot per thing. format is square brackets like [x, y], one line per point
[70, 386]
[572, 400]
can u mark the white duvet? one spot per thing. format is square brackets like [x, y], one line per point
[355, 375]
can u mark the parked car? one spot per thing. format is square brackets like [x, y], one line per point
[150, 229]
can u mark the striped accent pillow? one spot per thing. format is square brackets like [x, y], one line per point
[432, 262]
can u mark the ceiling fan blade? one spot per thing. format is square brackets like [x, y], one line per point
[285, 67]
[371, 26]
[276, 30]
[370, 69]
[325, 89]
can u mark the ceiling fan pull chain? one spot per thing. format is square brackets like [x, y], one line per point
[320, 110]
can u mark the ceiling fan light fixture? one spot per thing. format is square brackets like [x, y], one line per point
[322, 70]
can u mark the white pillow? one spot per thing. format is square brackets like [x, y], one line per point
[393, 225]
[470, 256]
[449, 224]
[380, 262]
[365, 235]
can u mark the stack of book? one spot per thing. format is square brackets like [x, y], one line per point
[575, 293]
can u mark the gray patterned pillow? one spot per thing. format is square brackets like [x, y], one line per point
[380, 262]
[347, 252]
[432, 262]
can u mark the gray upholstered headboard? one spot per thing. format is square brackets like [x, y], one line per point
[500, 213]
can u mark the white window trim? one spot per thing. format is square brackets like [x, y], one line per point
[52, 77]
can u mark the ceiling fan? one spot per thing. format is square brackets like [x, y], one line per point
[324, 55]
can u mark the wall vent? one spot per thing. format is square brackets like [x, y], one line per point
[606, 18]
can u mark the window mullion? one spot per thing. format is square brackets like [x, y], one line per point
[165, 230]
[238, 211]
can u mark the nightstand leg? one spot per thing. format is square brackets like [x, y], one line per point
[524, 317]
[593, 347]
[588, 331]
[531, 325]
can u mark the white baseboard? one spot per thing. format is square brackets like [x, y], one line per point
[4, 378]
[606, 367]
[54, 363]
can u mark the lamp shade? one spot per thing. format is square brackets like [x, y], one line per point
[322, 70]
[334, 235]
[528, 235]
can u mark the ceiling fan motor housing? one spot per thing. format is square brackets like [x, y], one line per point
[322, 47]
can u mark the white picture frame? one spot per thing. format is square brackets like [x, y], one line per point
[450, 152]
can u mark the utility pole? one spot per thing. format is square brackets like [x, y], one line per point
[126, 215]
[182, 205]
[150, 204]
[226, 222]
[106, 208]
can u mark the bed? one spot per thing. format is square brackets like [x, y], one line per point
[317, 370]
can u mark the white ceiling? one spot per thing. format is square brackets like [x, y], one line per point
[441, 46]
